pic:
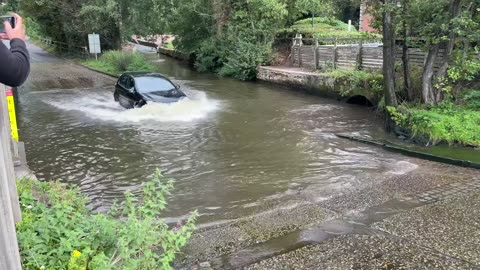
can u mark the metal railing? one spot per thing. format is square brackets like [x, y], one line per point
[64, 48]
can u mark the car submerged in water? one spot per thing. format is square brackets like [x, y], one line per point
[135, 89]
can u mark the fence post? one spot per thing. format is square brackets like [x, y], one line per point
[316, 54]
[9, 205]
[335, 53]
[359, 54]
[300, 52]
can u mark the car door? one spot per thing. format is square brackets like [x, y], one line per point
[120, 87]
[126, 91]
[130, 90]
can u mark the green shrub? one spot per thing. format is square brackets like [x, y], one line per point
[208, 57]
[59, 232]
[246, 41]
[237, 58]
[169, 46]
[242, 61]
[116, 62]
[444, 123]
[471, 99]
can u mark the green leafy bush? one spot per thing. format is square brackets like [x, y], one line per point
[471, 99]
[245, 42]
[209, 56]
[59, 232]
[116, 62]
[243, 59]
[444, 123]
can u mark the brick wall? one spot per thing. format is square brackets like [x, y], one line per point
[365, 19]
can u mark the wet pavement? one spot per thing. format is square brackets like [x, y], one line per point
[276, 189]
[424, 219]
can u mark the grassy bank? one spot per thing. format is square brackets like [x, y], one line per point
[453, 122]
[117, 62]
[324, 27]
[58, 231]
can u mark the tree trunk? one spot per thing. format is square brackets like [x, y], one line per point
[447, 56]
[221, 14]
[427, 84]
[389, 63]
[429, 94]
[405, 57]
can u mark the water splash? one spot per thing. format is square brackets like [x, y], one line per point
[101, 106]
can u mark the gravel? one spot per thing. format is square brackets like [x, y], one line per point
[451, 226]
[360, 252]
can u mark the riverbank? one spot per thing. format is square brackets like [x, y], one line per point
[332, 85]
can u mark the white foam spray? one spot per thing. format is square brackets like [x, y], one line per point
[101, 106]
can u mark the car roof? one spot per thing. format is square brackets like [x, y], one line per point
[136, 74]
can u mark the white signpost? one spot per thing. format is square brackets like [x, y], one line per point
[94, 44]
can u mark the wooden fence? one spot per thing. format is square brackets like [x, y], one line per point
[9, 204]
[349, 56]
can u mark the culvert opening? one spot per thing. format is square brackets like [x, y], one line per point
[360, 100]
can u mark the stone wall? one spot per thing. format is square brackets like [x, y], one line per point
[313, 83]
[175, 54]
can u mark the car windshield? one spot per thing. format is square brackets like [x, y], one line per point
[153, 84]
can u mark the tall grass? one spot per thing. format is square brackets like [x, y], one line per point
[116, 62]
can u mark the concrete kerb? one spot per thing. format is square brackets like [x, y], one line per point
[412, 153]
[99, 71]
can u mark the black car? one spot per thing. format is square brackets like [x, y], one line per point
[135, 89]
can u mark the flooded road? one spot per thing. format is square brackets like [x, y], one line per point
[231, 145]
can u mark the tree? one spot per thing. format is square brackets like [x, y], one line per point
[405, 29]
[9, 6]
[314, 7]
[434, 21]
[389, 58]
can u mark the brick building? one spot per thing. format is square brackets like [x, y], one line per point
[365, 18]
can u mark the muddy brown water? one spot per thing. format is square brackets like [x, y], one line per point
[231, 145]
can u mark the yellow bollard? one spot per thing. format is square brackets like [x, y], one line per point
[12, 114]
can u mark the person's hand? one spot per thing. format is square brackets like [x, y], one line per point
[12, 33]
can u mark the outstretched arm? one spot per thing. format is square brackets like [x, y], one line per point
[14, 63]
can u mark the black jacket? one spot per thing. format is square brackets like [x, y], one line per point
[14, 63]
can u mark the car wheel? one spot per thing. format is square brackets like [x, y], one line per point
[115, 96]
[139, 104]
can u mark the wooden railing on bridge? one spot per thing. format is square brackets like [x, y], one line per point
[145, 43]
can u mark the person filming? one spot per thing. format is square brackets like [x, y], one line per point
[14, 62]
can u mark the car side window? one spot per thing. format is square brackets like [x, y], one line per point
[130, 84]
[123, 81]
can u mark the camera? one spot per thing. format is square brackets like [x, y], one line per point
[9, 19]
